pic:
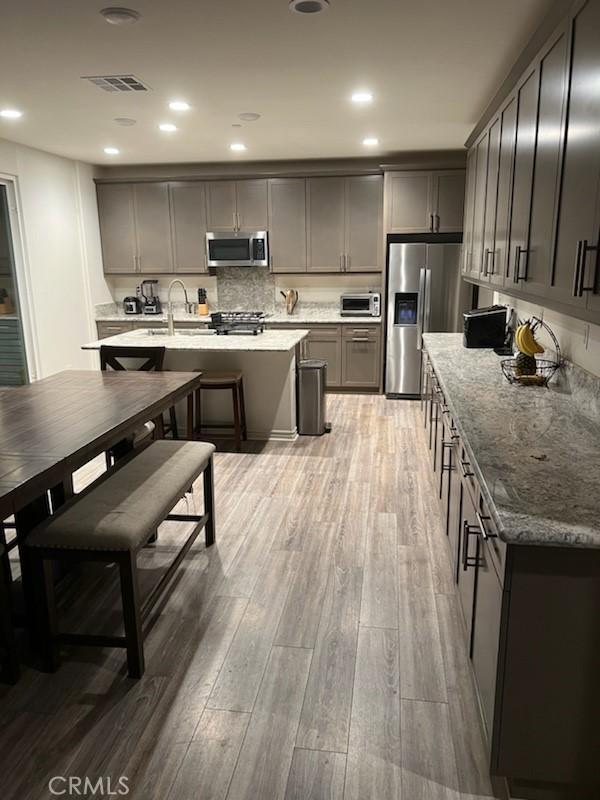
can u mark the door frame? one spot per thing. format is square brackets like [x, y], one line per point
[22, 275]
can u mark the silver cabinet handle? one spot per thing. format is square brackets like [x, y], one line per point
[583, 248]
[341, 262]
[481, 521]
[271, 263]
[437, 223]
[486, 262]
[239, 224]
[517, 275]
[431, 224]
[234, 215]
[467, 560]
[465, 468]
[135, 263]
[359, 339]
[346, 262]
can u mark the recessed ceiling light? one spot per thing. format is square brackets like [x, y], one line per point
[167, 127]
[11, 113]
[112, 151]
[237, 147]
[125, 122]
[308, 6]
[371, 141]
[248, 116]
[179, 105]
[120, 16]
[362, 97]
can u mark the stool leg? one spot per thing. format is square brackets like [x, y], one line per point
[173, 420]
[209, 503]
[190, 417]
[237, 425]
[243, 408]
[131, 615]
[45, 612]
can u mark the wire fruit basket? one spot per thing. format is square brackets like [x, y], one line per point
[545, 368]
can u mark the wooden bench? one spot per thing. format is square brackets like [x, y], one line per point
[110, 522]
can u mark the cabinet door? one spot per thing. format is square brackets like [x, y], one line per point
[364, 233]
[252, 205]
[287, 224]
[153, 227]
[361, 363]
[476, 263]
[188, 226]
[326, 344]
[221, 211]
[410, 202]
[486, 632]
[508, 136]
[449, 201]
[523, 178]
[467, 246]
[578, 219]
[552, 97]
[106, 329]
[117, 227]
[491, 199]
[326, 243]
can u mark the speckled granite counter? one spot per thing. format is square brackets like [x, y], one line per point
[279, 341]
[534, 451]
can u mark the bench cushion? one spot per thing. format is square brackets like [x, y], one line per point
[126, 508]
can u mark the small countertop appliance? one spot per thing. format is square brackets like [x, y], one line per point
[132, 305]
[485, 327]
[151, 301]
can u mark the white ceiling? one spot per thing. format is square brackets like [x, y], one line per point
[432, 65]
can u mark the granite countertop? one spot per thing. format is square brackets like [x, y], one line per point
[280, 341]
[535, 451]
[304, 314]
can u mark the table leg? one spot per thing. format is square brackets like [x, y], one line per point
[190, 417]
[26, 520]
[160, 428]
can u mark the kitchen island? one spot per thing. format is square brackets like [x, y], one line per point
[267, 361]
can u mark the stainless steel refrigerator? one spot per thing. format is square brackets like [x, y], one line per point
[421, 295]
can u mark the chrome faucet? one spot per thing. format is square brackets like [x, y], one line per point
[188, 305]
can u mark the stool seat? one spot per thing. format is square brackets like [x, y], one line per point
[213, 378]
[119, 513]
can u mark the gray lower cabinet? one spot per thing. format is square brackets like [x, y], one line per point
[188, 226]
[361, 357]
[287, 224]
[325, 343]
[117, 227]
[106, 329]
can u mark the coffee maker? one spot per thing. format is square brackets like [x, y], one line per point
[150, 301]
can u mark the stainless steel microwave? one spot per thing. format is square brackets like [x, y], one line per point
[237, 249]
[364, 304]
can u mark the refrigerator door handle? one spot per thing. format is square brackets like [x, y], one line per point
[421, 307]
[427, 302]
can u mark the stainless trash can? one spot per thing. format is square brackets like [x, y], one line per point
[312, 377]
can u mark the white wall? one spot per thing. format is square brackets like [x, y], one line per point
[60, 239]
[579, 341]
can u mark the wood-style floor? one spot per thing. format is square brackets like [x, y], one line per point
[314, 652]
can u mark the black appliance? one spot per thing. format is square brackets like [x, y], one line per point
[237, 322]
[151, 301]
[132, 305]
[485, 327]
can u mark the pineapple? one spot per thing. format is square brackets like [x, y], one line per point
[525, 365]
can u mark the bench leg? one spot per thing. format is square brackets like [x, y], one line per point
[10, 666]
[45, 612]
[237, 423]
[173, 423]
[209, 503]
[243, 410]
[131, 615]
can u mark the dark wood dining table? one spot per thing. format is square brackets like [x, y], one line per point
[51, 428]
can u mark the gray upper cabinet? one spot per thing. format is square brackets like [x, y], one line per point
[409, 201]
[117, 227]
[252, 205]
[467, 246]
[221, 206]
[508, 122]
[576, 278]
[489, 227]
[545, 190]
[153, 229]
[363, 224]
[287, 224]
[326, 213]
[237, 205]
[480, 193]
[188, 226]
[448, 197]
[518, 257]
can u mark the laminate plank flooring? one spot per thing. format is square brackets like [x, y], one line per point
[313, 653]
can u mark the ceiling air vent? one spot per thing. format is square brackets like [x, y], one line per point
[117, 83]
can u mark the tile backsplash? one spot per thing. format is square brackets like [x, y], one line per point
[246, 289]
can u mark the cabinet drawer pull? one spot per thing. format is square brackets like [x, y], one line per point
[467, 560]
[484, 534]
[359, 339]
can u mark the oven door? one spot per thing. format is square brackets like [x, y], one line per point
[227, 249]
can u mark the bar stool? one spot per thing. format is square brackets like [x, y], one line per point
[233, 381]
